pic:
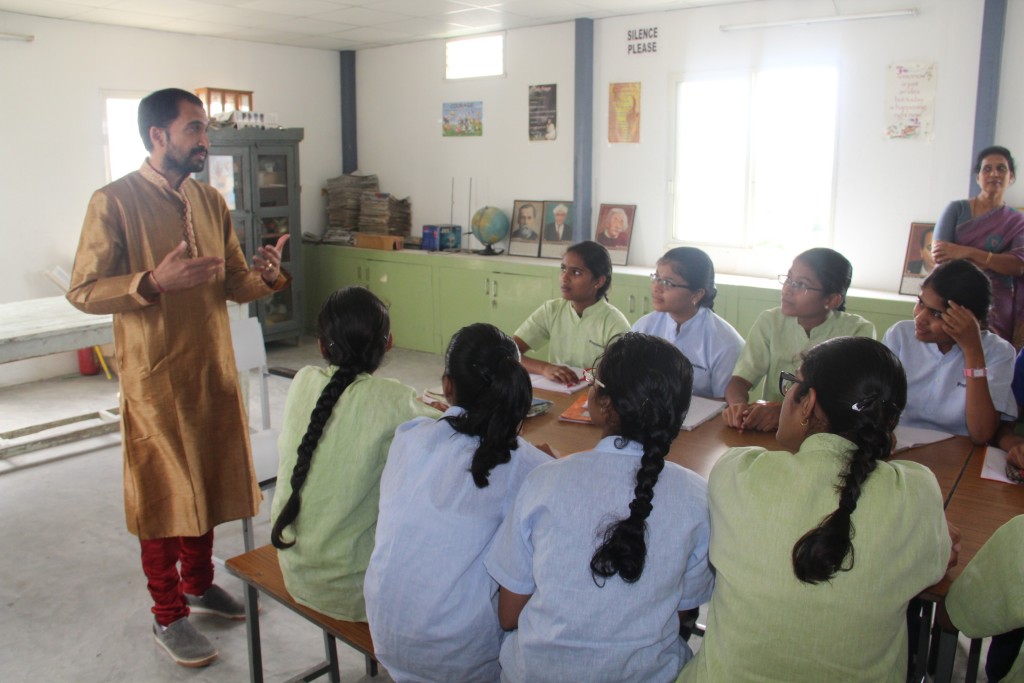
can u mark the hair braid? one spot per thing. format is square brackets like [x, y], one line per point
[863, 409]
[354, 333]
[648, 382]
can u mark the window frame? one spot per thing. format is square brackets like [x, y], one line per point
[482, 36]
[745, 257]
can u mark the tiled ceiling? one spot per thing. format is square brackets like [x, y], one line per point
[337, 24]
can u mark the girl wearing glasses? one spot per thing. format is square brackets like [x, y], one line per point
[603, 549]
[446, 488]
[958, 372]
[578, 325]
[683, 294]
[803, 534]
[813, 310]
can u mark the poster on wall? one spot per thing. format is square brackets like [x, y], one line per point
[910, 101]
[462, 119]
[615, 230]
[526, 217]
[624, 112]
[918, 262]
[557, 235]
[543, 112]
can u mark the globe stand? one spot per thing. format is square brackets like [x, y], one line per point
[489, 251]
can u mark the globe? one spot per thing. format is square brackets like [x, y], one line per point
[490, 226]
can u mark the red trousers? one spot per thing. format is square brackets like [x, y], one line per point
[160, 558]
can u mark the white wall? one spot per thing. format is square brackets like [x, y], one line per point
[400, 91]
[51, 128]
[882, 185]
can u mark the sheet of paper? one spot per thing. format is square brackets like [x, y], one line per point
[908, 437]
[541, 382]
[995, 465]
[701, 410]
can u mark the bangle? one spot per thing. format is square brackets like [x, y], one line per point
[159, 288]
[975, 372]
[988, 258]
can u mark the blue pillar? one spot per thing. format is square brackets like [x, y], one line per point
[993, 29]
[349, 150]
[583, 130]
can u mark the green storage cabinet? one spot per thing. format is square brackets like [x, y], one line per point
[504, 299]
[631, 294]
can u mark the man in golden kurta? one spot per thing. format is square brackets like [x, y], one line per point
[158, 250]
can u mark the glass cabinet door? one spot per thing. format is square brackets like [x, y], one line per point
[227, 171]
[272, 180]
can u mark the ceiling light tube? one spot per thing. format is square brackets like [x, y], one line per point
[820, 20]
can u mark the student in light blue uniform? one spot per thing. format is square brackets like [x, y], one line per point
[604, 548]
[683, 294]
[958, 373]
[447, 485]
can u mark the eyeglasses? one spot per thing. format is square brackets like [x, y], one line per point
[590, 377]
[786, 382]
[668, 284]
[796, 285]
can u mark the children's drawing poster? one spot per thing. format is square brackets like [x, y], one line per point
[910, 101]
[462, 119]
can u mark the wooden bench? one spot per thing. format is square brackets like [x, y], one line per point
[261, 573]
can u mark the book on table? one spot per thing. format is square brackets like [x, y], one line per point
[701, 410]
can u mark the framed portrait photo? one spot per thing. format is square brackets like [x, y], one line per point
[615, 230]
[918, 261]
[524, 232]
[557, 233]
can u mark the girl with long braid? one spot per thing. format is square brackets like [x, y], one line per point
[338, 424]
[446, 488]
[819, 548]
[594, 572]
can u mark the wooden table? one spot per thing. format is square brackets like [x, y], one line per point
[976, 506]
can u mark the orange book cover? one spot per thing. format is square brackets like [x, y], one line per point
[577, 412]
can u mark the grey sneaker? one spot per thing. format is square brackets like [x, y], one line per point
[184, 643]
[216, 601]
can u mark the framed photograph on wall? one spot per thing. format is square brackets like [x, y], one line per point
[524, 233]
[557, 234]
[615, 230]
[918, 262]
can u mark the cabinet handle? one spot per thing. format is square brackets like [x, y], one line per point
[495, 290]
[487, 287]
[647, 304]
[632, 303]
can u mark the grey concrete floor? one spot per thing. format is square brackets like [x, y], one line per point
[73, 599]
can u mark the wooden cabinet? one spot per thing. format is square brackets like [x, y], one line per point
[257, 173]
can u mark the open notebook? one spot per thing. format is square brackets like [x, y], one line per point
[542, 382]
[909, 437]
[701, 410]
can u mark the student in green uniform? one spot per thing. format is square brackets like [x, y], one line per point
[580, 324]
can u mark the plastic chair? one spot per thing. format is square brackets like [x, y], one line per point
[250, 355]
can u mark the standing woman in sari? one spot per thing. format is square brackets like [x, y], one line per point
[989, 233]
